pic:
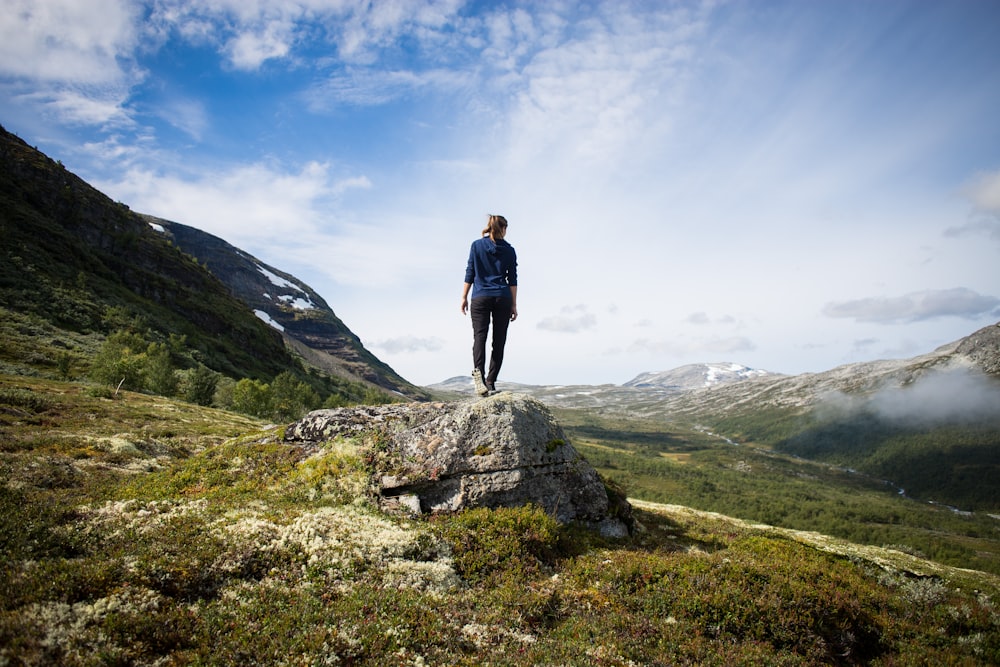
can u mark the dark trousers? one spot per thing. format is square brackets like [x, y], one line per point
[481, 310]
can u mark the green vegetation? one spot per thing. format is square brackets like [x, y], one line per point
[144, 530]
[138, 358]
[956, 463]
[669, 463]
[89, 290]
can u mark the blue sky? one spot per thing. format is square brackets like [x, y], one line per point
[788, 185]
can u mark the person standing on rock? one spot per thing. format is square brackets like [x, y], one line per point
[491, 274]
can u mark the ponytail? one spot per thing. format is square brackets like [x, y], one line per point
[496, 227]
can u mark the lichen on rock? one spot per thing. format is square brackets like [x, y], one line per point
[505, 450]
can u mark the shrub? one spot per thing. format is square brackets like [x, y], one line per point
[200, 385]
[492, 545]
[120, 361]
[252, 397]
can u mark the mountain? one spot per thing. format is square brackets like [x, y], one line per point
[930, 424]
[84, 264]
[976, 355]
[75, 267]
[718, 389]
[696, 376]
[307, 324]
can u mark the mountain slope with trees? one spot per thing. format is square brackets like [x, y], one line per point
[90, 288]
[306, 322]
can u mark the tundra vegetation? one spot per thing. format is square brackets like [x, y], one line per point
[672, 463]
[140, 529]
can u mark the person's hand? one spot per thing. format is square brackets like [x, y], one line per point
[465, 306]
[513, 313]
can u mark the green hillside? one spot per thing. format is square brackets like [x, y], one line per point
[672, 463]
[141, 531]
[75, 259]
[88, 290]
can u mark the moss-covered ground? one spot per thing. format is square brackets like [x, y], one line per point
[142, 531]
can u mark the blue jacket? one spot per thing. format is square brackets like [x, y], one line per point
[492, 268]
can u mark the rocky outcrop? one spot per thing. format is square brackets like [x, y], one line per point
[983, 349]
[503, 450]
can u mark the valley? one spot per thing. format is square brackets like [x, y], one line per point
[152, 513]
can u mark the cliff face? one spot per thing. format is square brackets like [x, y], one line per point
[502, 451]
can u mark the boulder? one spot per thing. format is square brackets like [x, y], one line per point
[504, 450]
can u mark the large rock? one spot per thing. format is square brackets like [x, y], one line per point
[502, 451]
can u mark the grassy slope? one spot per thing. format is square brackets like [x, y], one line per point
[141, 530]
[673, 464]
[70, 256]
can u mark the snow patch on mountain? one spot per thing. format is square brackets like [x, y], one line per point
[300, 300]
[277, 280]
[696, 376]
[267, 319]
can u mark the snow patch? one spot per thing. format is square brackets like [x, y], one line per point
[158, 228]
[267, 319]
[277, 280]
[298, 302]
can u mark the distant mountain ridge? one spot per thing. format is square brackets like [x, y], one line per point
[930, 423]
[714, 388]
[696, 376]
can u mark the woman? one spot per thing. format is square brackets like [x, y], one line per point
[492, 275]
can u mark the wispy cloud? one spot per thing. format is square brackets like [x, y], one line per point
[408, 345]
[242, 204]
[697, 348]
[187, 115]
[362, 87]
[600, 85]
[701, 319]
[571, 319]
[915, 307]
[102, 106]
[983, 192]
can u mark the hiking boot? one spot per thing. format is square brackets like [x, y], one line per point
[491, 388]
[477, 379]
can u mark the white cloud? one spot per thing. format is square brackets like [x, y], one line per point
[67, 41]
[74, 106]
[71, 61]
[916, 306]
[606, 86]
[248, 50]
[983, 192]
[409, 344]
[244, 204]
[572, 319]
[361, 87]
[679, 348]
[187, 115]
